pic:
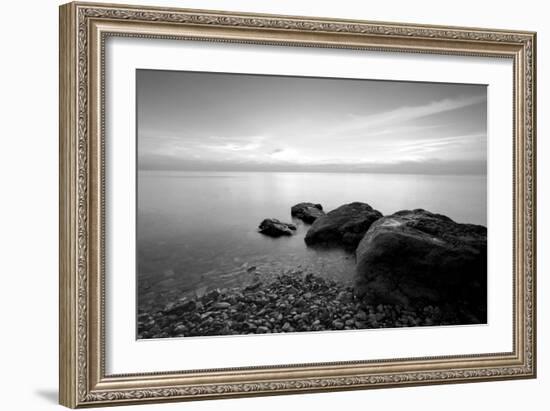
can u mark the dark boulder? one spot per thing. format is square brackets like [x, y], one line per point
[307, 212]
[416, 258]
[344, 226]
[275, 228]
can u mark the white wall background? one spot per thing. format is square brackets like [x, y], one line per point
[28, 207]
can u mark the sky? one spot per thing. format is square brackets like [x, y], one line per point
[239, 122]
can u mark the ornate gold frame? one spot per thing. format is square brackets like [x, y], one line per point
[83, 30]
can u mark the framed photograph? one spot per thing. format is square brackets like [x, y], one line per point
[259, 204]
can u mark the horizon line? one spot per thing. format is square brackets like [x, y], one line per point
[311, 172]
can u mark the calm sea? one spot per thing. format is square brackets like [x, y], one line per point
[198, 230]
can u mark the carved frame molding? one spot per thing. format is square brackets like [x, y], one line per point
[83, 30]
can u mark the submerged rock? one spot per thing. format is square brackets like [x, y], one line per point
[307, 212]
[344, 226]
[275, 228]
[416, 258]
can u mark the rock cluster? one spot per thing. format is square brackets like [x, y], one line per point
[290, 303]
[413, 268]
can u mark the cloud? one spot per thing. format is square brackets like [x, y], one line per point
[290, 155]
[380, 122]
[234, 144]
[400, 130]
[396, 134]
[233, 147]
[407, 113]
[442, 144]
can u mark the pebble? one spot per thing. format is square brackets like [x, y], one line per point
[361, 315]
[338, 325]
[221, 305]
[288, 303]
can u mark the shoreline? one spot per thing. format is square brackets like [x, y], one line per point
[292, 302]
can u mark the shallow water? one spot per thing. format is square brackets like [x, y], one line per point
[198, 230]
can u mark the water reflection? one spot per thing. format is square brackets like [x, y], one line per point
[198, 230]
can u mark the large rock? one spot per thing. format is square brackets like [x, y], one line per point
[275, 228]
[344, 226]
[417, 258]
[307, 212]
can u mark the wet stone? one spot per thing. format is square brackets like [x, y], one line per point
[287, 303]
[338, 325]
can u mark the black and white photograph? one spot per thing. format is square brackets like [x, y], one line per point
[280, 204]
